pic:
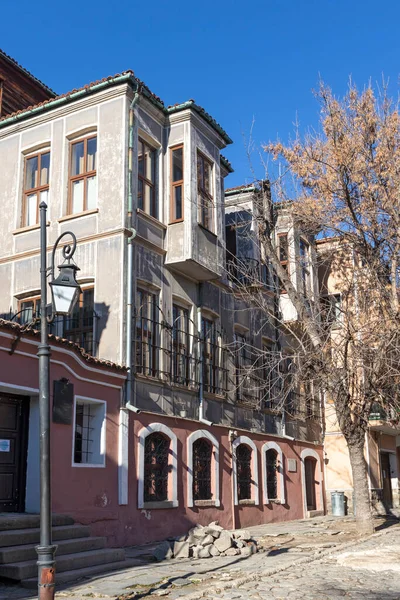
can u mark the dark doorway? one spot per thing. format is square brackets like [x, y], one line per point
[13, 451]
[310, 466]
[386, 480]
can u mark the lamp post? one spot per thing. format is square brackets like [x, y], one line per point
[65, 292]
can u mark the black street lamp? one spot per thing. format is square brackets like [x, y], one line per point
[65, 292]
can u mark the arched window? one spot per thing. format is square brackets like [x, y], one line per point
[203, 469]
[274, 483]
[202, 454]
[156, 451]
[243, 462]
[271, 463]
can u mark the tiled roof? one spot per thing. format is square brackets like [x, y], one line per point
[226, 163]
[108, 81]
[21, 68]
[203, 113]
[59, 341]
[71, 95]
[250, 187]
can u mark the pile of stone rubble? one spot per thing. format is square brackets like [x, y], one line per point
[205, 542]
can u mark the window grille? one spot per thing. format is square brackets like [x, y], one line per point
[214, 358]
[180, 346]
[79, 327]
[84, 415]
[202, 454]
[146, 334]
[272, 474]
[156, 454]
[243, 466]
[247, 383]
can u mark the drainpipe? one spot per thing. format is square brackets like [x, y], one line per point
[123, 437]
[129, 283]
[201, 383]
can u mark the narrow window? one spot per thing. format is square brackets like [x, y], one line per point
[269, 377]
[240, 364]
[146, 329]
[305, 267]
[205, 192]
[202, 454]
[83, 181]
[79, 327]
[36, 187]
[156, 455]
[89, 424]
[283, 247]
[28, 310]
[147, 178]
[243, 466]
[180, 345]
[176, 184]
[271, 460]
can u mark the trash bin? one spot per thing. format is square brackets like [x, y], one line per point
[337, 499]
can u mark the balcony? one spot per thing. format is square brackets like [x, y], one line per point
[246, 271]
[198, 254]
[385, 421]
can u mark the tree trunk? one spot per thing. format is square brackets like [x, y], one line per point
[365, 524]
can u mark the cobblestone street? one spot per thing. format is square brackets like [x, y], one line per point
[315, 559]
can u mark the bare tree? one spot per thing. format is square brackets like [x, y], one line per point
[342, 187]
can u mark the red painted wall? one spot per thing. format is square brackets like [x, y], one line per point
[90, 494]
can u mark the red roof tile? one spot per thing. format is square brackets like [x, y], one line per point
[59, 341]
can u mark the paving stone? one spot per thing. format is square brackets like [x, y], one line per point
[207, 540]
[163, 551]
[224, 542]
[181, 550]
[214, 550]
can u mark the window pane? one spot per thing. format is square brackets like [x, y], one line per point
[141, 158]
[44, 168]
[150, 164]
[44, 196]
[77, 196]
[31, 203]
[91, 154]
[177, 164]
[140, 194]
[31, 175]
[26, 315]
[178, 202]
[77, 165]
[91, 192]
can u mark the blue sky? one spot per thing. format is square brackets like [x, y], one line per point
[253, 61]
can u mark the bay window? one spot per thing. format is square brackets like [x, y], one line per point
[176, 211]
[147, 179]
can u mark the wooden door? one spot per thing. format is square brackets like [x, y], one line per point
[13, 451]
[309, 466]
[386, 480]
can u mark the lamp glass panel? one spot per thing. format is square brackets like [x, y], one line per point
[63, 298]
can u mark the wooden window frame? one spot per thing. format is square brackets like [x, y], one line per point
[152, 184]
[82, 176]
[36, 305]
[175, 184]
[202, 193]
[36, 190]
[147, 337]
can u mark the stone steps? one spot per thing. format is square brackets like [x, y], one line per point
[78, 555]
[17, 537]
[14, 554]
[28, 569]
